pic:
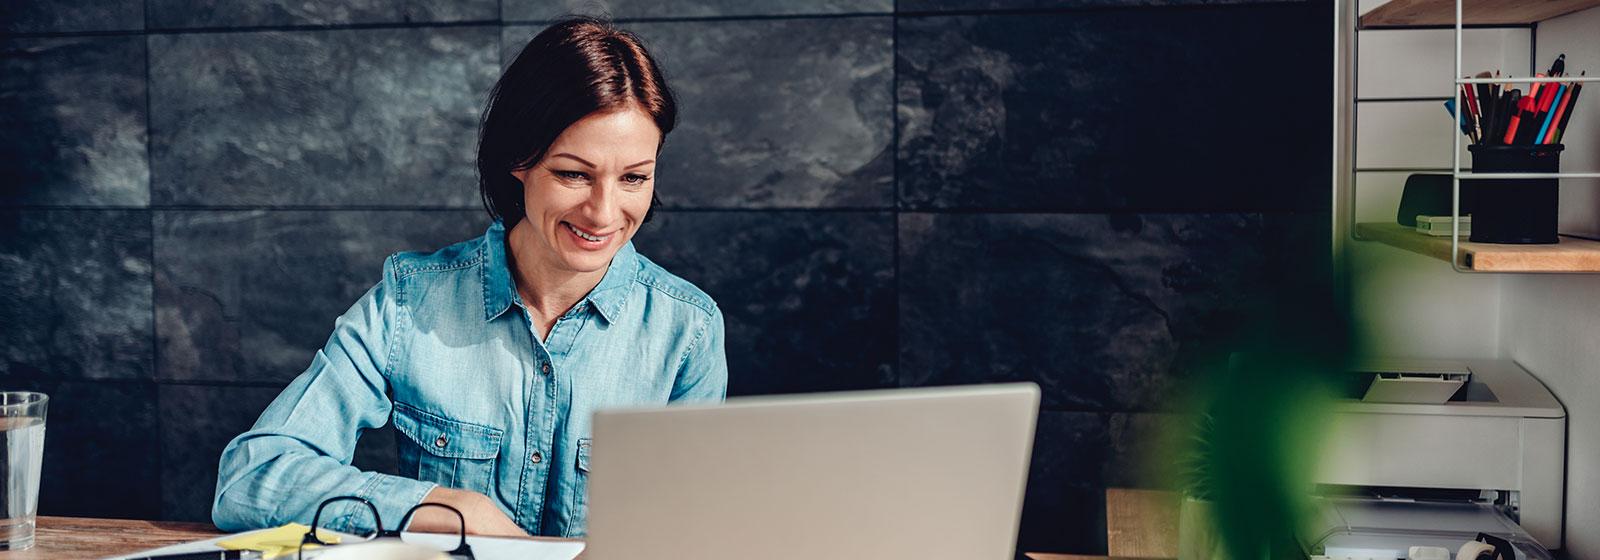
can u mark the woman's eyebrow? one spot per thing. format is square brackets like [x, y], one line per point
[573, 157]
[586, 162]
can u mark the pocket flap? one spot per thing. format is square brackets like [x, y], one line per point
[583, 455]
[445, 437]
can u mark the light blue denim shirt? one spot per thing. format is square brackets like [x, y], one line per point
[443, 347]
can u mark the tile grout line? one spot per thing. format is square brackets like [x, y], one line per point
[150, 215]
[894, 179]
[957, 211]
[501, 21]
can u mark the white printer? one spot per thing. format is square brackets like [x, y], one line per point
[1432, 453]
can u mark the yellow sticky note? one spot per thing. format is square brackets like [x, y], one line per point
[277, 541]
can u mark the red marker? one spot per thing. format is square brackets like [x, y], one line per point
[1524, 105]
[1561, 109]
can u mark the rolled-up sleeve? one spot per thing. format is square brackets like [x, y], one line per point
[703, 375]
[299, 452]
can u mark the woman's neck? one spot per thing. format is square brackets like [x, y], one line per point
[547, 291]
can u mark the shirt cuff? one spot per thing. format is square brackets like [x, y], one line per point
[392, 495]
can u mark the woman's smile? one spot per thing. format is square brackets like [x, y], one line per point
[588, 240]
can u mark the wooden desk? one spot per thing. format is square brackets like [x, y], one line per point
[1139, 524]
[83, 537]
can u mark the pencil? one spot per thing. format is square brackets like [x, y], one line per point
[1469, 103]
[1485, 104]
[1549, 115]
[1572, 105]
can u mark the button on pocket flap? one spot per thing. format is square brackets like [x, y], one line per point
[583, 455]
[445, 437]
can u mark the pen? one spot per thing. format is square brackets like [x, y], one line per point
[1547, 96]
[1485, 104]
[1461, 118]
[1507, 110]
[1556, 117]
[1471, 111]
[1549, 116]
[1534, 89]
[1497, 123]
[212, 555]
[1524, 106]
[1572, 105]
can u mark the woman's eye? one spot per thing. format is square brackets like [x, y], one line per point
[635, 180]
[572, 175]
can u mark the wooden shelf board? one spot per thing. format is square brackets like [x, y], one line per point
[1410, 13]
[1572, 254]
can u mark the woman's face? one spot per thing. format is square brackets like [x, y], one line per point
[590, 192]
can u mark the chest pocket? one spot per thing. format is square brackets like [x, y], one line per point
[449, 452]
[582, 495]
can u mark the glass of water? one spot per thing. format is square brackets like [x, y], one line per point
[21, 452]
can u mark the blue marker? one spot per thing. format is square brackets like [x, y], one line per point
[1550, 114]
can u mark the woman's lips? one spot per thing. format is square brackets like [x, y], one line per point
[585, 239]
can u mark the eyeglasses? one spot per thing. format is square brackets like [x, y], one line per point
[461, 552]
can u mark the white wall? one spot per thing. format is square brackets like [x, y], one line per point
[1551, 323]
[1406, 304]
[1578, 35]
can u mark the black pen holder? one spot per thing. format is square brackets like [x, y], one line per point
[1521, 211]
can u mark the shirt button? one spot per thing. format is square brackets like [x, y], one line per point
[545, 368]
[441, 442]
[537, 457]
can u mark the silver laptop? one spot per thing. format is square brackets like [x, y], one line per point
[934, 473]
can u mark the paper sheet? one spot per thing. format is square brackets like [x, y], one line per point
[483, 548]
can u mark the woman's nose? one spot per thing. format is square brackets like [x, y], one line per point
[602, 206]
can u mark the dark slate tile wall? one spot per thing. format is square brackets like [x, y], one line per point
[220, 307]
[377, 117]
[180, 14]
[1079, 193]
[813, 291]
[1110, 110]
[18, 16]
[72, 111]
[541, 10]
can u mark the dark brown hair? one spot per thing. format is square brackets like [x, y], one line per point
[573, 68]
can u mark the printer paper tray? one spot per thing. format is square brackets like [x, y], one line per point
[1348, 524]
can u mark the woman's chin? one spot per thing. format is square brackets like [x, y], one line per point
[587, 261]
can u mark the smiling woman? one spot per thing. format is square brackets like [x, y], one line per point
[489, 356]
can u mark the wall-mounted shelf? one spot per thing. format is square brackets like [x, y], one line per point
[1413, 13]
[1572, 254]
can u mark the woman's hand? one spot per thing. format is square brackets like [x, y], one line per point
[483, 518]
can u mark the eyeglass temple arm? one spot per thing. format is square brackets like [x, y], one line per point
[316, 522]
[461, 548]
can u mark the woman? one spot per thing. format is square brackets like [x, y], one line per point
[490, 355]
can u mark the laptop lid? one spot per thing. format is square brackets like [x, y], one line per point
[929, 473]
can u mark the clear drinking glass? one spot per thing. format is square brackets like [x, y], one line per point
[21, 452]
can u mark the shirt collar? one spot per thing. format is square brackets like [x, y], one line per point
[499, 292]
[611, 295]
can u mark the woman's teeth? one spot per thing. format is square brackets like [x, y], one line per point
[586, 236]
